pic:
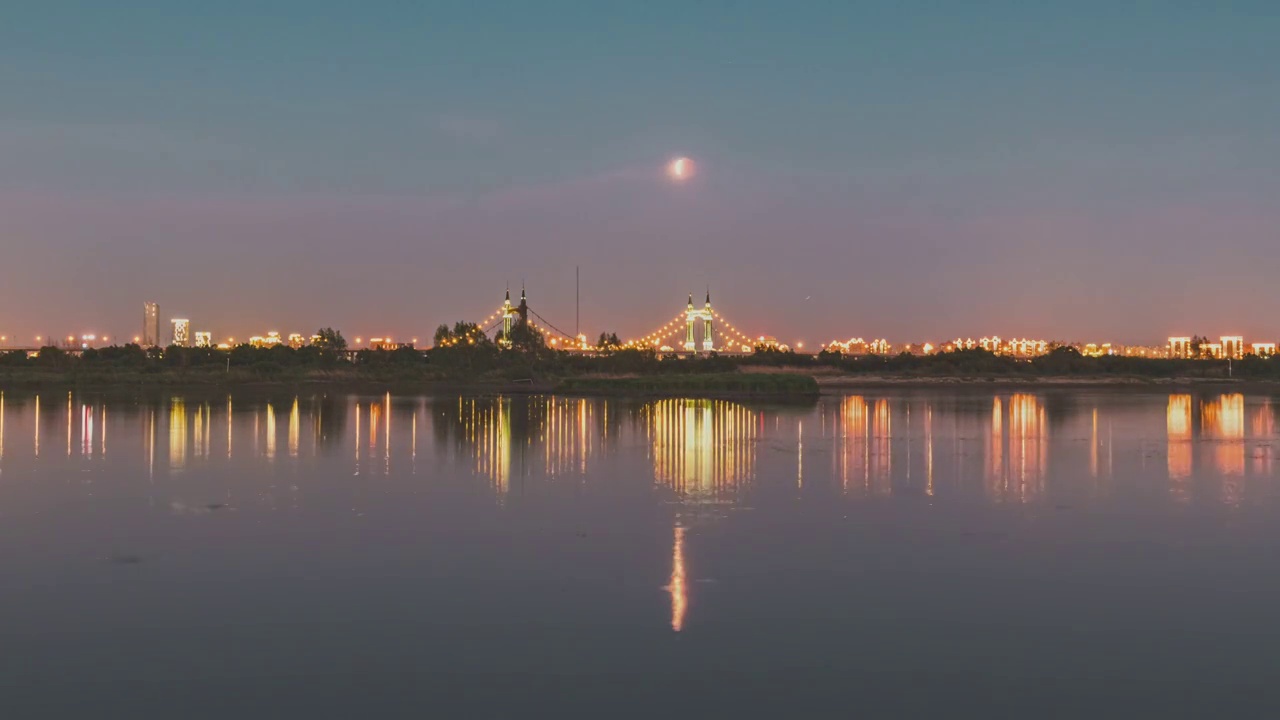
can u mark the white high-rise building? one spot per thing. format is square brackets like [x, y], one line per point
[1233, 346]
[181, 332]
[150, 324]
[204, 339]
[1180, 347]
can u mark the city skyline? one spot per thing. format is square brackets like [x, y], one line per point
[865, 169]
[690, 330]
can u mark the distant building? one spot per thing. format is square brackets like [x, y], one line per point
[769, 342]
[204, 339]
[1233, 346]
[852, 346]
[1180, 348]
[387, 344]
[1264, 350]
[181, 332]
[296, 341]
[1143, 351]
[150, 324]
[271, 340]
[1211, 350]
[1027, 348]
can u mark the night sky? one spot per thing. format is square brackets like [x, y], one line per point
[912, 170]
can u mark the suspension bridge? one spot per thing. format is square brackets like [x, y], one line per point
[694, 330]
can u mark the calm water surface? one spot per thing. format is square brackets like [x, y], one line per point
[879, 555]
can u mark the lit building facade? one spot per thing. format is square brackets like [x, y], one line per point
[769, 342]
[1232, 346]
[386, 343]
[852, 346]
[271, 340]
[1264, 350]
[1180, 348]
[296, 341]
[150, 324]
[181, 332]
[1027, 348]
[204, 339]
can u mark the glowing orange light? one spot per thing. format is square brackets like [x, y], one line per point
[681, 169]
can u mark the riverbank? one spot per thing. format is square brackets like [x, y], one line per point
[763, 382]
[831, 383]
[712, 385]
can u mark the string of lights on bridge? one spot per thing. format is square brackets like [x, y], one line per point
[737, 335]
[495, 318]
[725, 329]
[657, 336]
[730, 336]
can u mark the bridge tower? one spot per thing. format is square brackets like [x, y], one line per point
[508, 316]
[708, 336]
[689, 343]
[691, 317]
[513, 316]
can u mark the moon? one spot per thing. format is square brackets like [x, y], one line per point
[681, 169]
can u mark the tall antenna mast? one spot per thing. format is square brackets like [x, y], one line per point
[577, 297]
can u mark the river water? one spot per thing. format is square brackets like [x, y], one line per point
[889, 554]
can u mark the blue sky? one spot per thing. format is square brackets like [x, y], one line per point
[866, 168]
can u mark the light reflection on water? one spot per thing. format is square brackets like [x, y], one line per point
[702, 450]
[698, 449]
[637, 493]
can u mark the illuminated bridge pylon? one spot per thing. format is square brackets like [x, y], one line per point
[509, 318]
[705, 331]
[692, 317]
[513, 316]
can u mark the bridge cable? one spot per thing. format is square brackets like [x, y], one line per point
[546, 322]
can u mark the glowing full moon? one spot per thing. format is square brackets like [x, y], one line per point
[681, 169]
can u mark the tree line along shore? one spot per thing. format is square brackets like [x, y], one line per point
[462, 360]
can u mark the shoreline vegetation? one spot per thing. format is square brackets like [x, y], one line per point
[485, 367]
